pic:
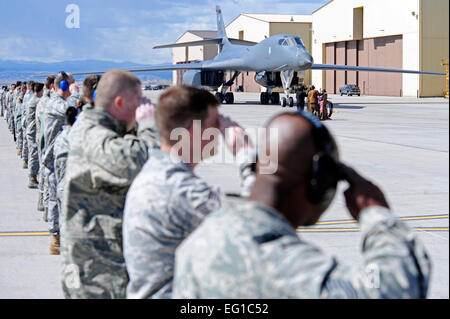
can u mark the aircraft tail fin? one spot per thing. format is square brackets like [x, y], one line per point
[221, 32]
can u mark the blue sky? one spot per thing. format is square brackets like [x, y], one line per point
[118, 30]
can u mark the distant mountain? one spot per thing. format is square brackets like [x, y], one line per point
[11, 71]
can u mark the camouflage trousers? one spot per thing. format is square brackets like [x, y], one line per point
[24, 144]
[33, 157]
[93, 268]
[19, 142]
[53, 211]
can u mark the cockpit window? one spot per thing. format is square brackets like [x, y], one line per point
[291, 42]
[299, 41]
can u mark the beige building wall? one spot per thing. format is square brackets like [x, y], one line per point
[191, 54]
[255, 30]
[302, 29]
[434, 45]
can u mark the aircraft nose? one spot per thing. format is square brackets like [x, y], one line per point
[304, 59]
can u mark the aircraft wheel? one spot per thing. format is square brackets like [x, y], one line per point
[229, 98]
[275, 98]
[284, 102]
[220, 97]
[291, 102]
[264, 98]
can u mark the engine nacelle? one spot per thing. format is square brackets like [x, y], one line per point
[212, 79]
[273, 79]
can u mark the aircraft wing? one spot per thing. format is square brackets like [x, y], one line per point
[203, 42]
[362, 68]
[161, 67]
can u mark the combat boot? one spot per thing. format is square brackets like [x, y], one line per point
[25, 165]
[45, 217]
[33, 183]
[40, 206]
[55, 245]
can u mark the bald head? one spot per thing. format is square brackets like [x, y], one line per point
[113, 84]
[296, 147]
[288, 189]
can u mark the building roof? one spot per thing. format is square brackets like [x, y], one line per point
[323, 6]
[281, 17]
[204, 34]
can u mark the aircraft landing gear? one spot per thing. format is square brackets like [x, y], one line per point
[268, 97]
[220, 97]
[286, 79]
[223, 96]
[229, 98]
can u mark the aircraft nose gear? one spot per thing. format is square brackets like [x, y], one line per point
[286, 79]
[287, 102]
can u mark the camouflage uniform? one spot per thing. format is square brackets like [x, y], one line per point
[54, 119]
[73, 100]
[247, 250]
[18, 121]
[2, 95]
[61, 152]
[33, 158]
[26, 100]
[9, 103]
[103, 161]
[166, 202]
[40, 108]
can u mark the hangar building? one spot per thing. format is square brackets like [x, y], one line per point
[401, 34]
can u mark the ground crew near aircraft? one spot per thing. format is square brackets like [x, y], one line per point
[103, 162]
[49, 89]
[54, 119]
[301, 95]
[250, 249]
[167, 201]
[33, 157]
[313, 101]
[61, 152]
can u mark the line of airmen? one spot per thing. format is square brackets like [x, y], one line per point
[36, 115]
[137, 222]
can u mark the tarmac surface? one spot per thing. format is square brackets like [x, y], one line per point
[401, 144]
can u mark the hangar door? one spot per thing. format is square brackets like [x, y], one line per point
[384, 52]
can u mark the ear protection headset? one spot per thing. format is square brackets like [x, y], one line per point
[95, 87]
[64, 84]
[324, 174]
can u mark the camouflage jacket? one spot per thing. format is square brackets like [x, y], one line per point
[166, 202]
[73, 100]
[18, 112]
[246, 250]
[103, 162]
[40, 108]
[31, 115]
[61, 152]
[54, 119]
[26, 100]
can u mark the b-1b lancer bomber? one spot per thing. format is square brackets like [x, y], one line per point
[278, 62]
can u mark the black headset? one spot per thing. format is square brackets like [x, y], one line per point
[324, 174]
